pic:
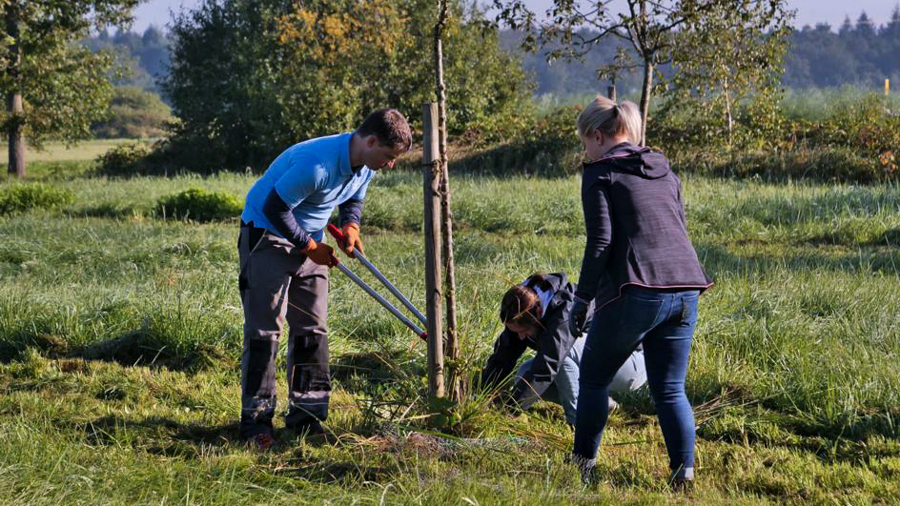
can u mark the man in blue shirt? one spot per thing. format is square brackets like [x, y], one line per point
[284, 264]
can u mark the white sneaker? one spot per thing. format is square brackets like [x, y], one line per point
[613, 405]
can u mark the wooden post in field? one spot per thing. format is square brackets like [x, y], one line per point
[887, 87]
[611, 92]
[431, 172]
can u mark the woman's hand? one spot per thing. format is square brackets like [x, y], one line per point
[577, 316]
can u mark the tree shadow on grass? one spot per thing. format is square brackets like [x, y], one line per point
[729, 414]
[889, 238]
[370, 372]
[148, 348]
[332, 472]
[106, 211]
[717, 260]
[166, 437]
[797, 210]
[141, 347]
[161, 435]
[370, 366]
[517, 158]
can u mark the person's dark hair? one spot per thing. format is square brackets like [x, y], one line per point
[520, 303]
[389, 126]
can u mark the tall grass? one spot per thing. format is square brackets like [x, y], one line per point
[120, 339]
[817, 104]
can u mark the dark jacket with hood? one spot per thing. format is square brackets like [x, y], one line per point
[553, 343]
[636, 227]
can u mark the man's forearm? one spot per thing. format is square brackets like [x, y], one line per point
[351, 212]
[280, 216]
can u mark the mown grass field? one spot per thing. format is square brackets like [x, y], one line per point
[60, 152]
[120, 339]
[57, 160]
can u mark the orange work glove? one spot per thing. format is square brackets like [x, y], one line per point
[321, 254]
[351, 239]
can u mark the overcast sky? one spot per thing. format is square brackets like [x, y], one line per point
[158, 12]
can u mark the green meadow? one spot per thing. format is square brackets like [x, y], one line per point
[120, 343]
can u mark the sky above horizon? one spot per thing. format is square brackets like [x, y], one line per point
[809, 12]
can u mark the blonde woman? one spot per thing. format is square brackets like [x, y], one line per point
[642, 273]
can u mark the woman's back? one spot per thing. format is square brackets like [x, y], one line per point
[635, 218]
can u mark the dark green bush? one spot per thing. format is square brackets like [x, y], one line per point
[825, 164]
[124, 160]
[199, 205]
[24, 197]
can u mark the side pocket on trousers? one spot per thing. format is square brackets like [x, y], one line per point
[254, 236]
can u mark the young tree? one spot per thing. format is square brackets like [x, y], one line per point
[649, 27]
[452, 351]
[727, 54]
[51, 86]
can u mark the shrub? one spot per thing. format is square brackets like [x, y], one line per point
[24, 197]
[133, 113]
[548, 146]
[124, 160]
[827, 164]
[199, 205]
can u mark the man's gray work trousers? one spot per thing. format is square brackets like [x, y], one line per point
[278, 282]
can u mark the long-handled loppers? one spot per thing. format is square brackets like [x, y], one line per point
[339, 236]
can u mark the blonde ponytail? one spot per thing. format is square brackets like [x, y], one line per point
[611, 119]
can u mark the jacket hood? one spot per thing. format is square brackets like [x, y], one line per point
[557, 280]
[631, 159]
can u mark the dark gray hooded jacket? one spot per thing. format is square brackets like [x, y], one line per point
[636, 227]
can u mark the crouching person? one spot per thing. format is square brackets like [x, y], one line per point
[284, 265]
[536, 315]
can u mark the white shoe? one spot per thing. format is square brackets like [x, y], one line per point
[613, 405]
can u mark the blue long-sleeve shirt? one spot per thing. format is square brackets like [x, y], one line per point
[299, 191]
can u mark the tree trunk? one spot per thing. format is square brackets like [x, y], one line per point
[728, 116]
[452, 348]
[645, 98]
[14, 107]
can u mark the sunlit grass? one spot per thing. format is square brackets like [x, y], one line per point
[121, 338]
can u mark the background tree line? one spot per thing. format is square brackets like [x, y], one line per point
[142, 58]
[859, 53]
[246, 78]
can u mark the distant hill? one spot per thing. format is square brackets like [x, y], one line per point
[144, 56]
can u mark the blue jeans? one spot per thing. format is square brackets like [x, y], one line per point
[664, 322]
[564, 390]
